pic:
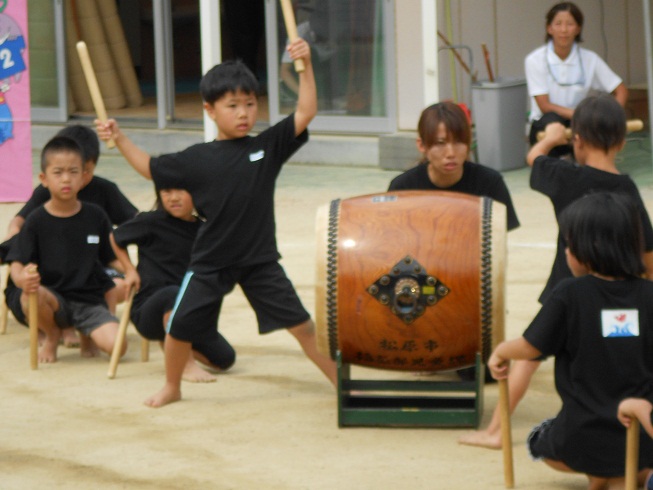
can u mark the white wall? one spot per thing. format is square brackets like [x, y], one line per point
[417, 76]
[513, 28]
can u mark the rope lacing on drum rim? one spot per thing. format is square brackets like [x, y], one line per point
[486, 279]
[332, 275]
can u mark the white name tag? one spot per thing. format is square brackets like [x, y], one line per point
[620, 323]
[255, 157]
[94, 239]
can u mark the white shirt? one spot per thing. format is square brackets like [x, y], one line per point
[567, 81]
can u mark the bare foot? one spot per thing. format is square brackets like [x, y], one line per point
[48, 351]
[70, 338]
[88, 347]
[481, 438]
[167, 395]
[195, 374]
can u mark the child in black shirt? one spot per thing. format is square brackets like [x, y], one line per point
[231, 181]
[597, 325]
[165, 238]
[59, 254]
[96, 190]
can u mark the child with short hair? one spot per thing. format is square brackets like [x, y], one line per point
[96, 190]
[597, 324]
[59, 255]
[164, 238]
[231, 181]
[444, 138]
[599, 133]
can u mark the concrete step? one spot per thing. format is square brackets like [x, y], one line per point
[323, 149]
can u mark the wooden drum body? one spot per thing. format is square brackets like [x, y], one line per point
[410, 280]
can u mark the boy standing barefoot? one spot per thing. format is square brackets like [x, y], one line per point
[232, 181]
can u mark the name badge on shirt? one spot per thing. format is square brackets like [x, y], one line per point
[255, 157]
[93, 239]
[620, 323]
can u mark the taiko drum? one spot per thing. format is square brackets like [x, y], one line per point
[410, 280]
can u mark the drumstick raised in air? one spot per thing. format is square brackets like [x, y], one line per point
[291, 29]
[93, 86]
[631, 126]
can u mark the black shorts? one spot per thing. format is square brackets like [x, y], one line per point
[266, 287]
[147, 316]
[12, 298]
[540, 124]
[539, 443]
[83, 316]
[148, 319]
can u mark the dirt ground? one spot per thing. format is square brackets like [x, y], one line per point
[271, 421]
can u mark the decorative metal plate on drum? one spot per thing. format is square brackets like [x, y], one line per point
[408, 289]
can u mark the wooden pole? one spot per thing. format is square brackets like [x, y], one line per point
[632, 454]
[33, 314]
[33, 323]
[291, 29]
[631, 126]
[120, 337]
[4, 311]
[506, 434]
[488, 63]
[145, 350]
[93, 86]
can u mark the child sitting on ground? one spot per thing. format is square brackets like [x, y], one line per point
[599, 133]
[165, 238]
[96, 190]
[59, 254]
[599, 327]
[232, 181]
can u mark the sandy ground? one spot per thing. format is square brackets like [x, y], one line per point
[270, 422]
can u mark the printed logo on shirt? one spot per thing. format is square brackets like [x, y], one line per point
[94, 239]
[255, 157]
[620, 323]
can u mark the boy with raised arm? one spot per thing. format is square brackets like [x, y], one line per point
[232, 181]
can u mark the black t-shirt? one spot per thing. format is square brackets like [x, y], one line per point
[69, 252]
[601, 334]
[232, 184]
[164, 245]
[477, 180]
[564, 182]
[99, 191]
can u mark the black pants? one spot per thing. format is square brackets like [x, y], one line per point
[540, 124]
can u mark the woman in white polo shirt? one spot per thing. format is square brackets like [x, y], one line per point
[560, 74]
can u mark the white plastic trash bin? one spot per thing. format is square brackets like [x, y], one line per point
[499, 113]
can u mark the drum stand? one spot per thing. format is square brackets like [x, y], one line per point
[409, 403]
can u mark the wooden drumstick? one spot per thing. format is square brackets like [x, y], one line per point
[33, 322]
[506, 434]
[631, 126]
[4, 274]
[93, 86]
[488, 64]
[120, 337]
[291, 29]
[632, 454]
